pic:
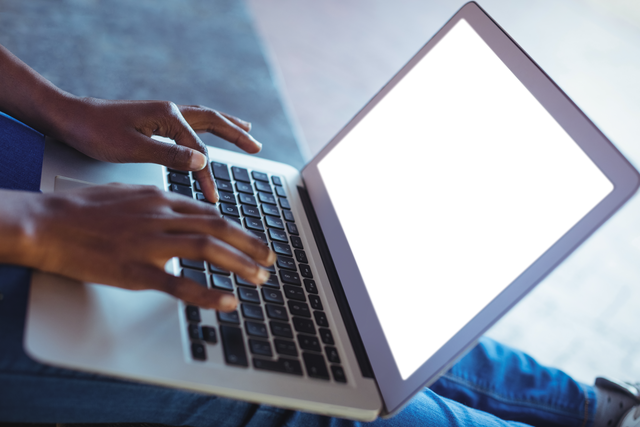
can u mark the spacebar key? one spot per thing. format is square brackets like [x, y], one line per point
[233, 345]
[286, 366]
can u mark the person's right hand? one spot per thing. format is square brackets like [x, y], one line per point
[123, 235]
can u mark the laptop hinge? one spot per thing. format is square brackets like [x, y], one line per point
[336, 286]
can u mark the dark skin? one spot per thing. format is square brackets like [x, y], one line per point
[123, 235]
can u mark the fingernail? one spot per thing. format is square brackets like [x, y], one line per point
[263, 275]
[228, 302]
[198, 161]
[272, 258]
[255, 141]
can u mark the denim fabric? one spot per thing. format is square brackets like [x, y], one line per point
[491, 386]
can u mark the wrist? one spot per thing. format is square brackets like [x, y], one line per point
[17, 228]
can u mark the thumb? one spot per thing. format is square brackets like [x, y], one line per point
[163, 151]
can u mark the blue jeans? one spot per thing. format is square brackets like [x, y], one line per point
[492, 386]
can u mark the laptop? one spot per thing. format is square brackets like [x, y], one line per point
[465, 181]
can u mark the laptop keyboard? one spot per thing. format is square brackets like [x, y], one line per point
[280, 326]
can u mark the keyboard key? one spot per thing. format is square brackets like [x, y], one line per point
[286, 366]
[253, 224]
[304, 325]
[232, 317]
[338, 374]
[243, 187]
[271, 267]
[278, 235]
[198, 351]
[242, 282]
[194, 331]
[274, 222]
[280, 192]
[271, 210]
[197, 185]
[220, 171]
[179, 178]
[310, 286]
[321, 318]
[260, 176]
[309, 343]
[281, 329]
[284, 203]
[294, 293]
[315, 302]
[325, 336]
[281, 248]
[224, 185]
[272, 295]
[267, 198]
[264, 187]
[305, 270]
[221, 282]
[316, 368]
[196, 276]
[272, 282]
[297, 308]
[193, 313]
[290, 277]
[276, 312]
[286, 263]
[233, 345]
[276, 181]
[332, 354]
[288, 215]
[246, 199]
[301, 256]
[198, 265]
[262, 348]
[226, 197]
[286, 347]
[292, 228]
[261, 236]
[256, 329]
[218, 270]
[227, 209]
[209, 334]
[296, 242]
[240, 174]
[251, 311]
[169, 170]
[249, 295]
[181, 189]
[252, 211]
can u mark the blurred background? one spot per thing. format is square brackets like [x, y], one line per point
[300, 69]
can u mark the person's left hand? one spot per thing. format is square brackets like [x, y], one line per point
[120, 132]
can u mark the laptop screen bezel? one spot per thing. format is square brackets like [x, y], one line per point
[396, 391]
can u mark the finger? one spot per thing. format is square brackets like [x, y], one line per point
[224, 230]
[217, 252]
[246, 126]
[150, 277]
[207, 120]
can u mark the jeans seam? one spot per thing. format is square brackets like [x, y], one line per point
[499, 397]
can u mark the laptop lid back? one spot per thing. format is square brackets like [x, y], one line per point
[452, 193]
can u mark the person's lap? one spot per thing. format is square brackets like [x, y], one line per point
[491, 379]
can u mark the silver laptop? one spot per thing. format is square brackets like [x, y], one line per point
[444, 201]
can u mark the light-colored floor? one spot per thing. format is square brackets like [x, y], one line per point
[334, 55]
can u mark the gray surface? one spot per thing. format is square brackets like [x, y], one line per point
[196, 52]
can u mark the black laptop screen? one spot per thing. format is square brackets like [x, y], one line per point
[451, 187]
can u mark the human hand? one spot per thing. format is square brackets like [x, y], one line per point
[123, 235]
[120, 132]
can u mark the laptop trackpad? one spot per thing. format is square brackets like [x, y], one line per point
[63, 183]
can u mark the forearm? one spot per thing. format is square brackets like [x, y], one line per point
[29, 97]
